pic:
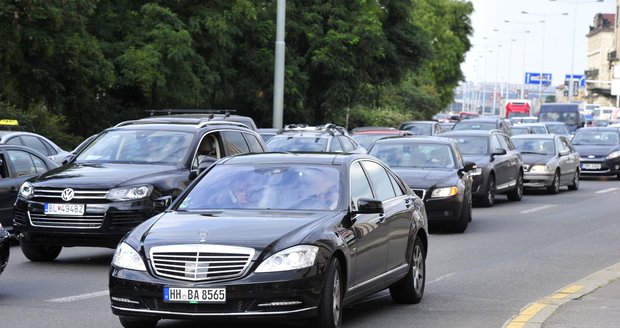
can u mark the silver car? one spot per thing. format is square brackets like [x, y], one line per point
[36, 142]
[549, 161]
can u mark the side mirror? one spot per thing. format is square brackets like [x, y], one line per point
[369, 206]
[68, 159]
[498, 151]
[468, 167]
[564, 152]
[161, 203]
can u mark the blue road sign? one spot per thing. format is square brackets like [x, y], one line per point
[534, 78]
[580, 78]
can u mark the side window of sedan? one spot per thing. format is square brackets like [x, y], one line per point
[254, 144]
[23, 163]
[380, 180]
[505, 142]
[495, 143]
[14, 141]
[234, 143]
[398, 189]
[35, 143]
[360, 187]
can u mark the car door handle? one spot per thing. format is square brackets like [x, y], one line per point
[408, 202]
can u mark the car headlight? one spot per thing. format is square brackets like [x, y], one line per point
[130, 193]
[293, 258]
[26, 190]
[477, 171]
[541, 169]
[614, 154]
[125, 257]
[444, 192]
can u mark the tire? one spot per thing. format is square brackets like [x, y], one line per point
[137, 323]
[516, 194]
[461, 225]
[489, 197]
[330, 307]
[618, 177]
[575, 184]
[410, 288]
[554, 188]
[39, 253]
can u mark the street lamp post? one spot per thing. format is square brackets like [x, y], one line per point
[278, 74]
[524, 24]
[511, 33]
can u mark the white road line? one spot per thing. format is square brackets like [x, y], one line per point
[539, 208]
[79, 297]
[606, 190]
[441, 278]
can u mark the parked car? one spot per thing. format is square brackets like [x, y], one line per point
[36, 142]
[484, 123]
[499, 167]
[599, 149]
[18, 164]
[537, 128]
[518, 129]
[322, 138]
[5, 248]
[111, 186]
[434, 169]
[303, 236]
[367, 138]
[549, 161]
[422, 128]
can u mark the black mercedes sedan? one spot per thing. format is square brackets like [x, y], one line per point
[5, 248]
[276, 236]
[599, 149]
[434, 169]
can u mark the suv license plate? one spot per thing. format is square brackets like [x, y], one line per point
[591, 166]
[195, 295]
[64, 209]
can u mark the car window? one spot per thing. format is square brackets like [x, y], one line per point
[253, 143]
[380, 180]
[495, 143]
[472, 145]
[335, 146]
[234, 143]
[23, 163]
[398, 189]
[505, 142]
[566, 144]
[286, 142]
[14, 141]
[360, 187]
[4, 172]
[37, 144]
[347, 144]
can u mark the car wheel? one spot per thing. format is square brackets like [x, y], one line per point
[575, 184]
[554, 188]
[489, 197]
[465, 218]
[517, 193]
[330, 307]
[39, 253]
[137, 323]
[410, 288]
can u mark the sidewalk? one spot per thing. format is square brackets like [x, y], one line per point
[591, 302]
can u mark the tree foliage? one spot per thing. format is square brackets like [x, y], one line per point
[96, 62]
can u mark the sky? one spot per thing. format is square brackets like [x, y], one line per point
[527, 53]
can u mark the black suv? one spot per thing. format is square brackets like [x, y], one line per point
[117, 182]
[323, 138]
[499, 167]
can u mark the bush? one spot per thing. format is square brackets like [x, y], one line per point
[364, 116]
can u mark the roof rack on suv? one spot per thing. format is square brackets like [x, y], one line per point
[329, 128]
[226, 112]
[199, 124]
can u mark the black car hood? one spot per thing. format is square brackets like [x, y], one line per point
[425, 178]
[532, 159]
[243, 228]
[596, 150]
[103, 175]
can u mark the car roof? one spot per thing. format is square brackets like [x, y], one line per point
[480, 119]
[417, 139]
[388, 132]
[313, 158]
[535, 136]
[202, 117]
[482, 133]
[152, 124]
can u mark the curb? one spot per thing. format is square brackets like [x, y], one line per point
[534, 314]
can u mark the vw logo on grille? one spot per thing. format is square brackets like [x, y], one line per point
[67, 194]
[203, 235]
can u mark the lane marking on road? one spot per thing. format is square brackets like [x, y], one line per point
[79, 297]
[539, 208]
[606, 190]
[442, 278]
[526, 315]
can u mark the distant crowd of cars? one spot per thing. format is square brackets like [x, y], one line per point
[212, 217]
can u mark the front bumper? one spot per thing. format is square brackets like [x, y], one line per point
[102, 225]
[538, 180]
[285, 295]
[600, 166]
[445, 209]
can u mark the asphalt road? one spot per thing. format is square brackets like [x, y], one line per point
[511, 255]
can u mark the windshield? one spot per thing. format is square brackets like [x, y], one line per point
[472, 145]
[535, 146]
[290, 143]
[569, 118]
[557, 129]
[420, 129]
[415, 155]
[464, 125]
[138, 146]
[519, 130]
[584, 137]
[275, 187]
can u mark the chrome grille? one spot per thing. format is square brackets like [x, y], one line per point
[59, 221]
[419, 192]
[78, 194]
[200, 262]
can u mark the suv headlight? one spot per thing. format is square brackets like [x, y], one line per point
[26, 190]
[444, 192]
[125, 257]
[130, 193]
[293, 258]
[477, 171]
[614, 154]
[540, 168]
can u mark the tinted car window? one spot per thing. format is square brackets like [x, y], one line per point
[397, 187]
[253, 143]
[347, 144]
[23, 163]
[14, 141]
[495, 143]
[39, 145]
[360, 188]
[536, 146]
[234, 142]
[289, 143]
[335, 146]
[473, 145]
[421, 129]
[585, 137]
[380, 180]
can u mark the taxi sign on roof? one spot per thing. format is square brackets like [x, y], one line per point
[8, 122]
